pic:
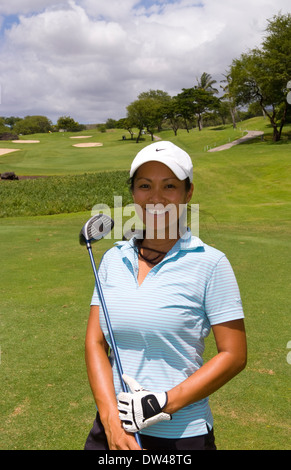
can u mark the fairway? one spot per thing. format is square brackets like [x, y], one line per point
[56, 154]
[47, 282]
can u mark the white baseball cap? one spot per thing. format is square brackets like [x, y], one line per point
[168, 153]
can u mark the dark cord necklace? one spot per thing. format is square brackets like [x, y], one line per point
[151, 260]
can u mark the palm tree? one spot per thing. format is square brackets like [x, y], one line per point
[205, 83]
[229, 98]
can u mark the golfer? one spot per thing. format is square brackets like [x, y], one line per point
[165, 291]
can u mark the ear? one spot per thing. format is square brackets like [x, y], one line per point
[190, 193]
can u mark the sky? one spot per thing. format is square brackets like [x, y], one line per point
[89, 59]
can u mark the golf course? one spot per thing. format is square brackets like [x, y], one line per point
[244, 198]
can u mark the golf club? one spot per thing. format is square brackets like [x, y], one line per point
[96, 228]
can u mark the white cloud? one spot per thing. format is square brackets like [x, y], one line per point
[14, 7]
[115, 10]
[66, 34]
[90, 58]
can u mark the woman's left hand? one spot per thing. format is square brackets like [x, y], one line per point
[140, 408]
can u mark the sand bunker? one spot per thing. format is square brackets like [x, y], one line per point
[81, 137]
[4, 151]
[93, 144]
[25, 141]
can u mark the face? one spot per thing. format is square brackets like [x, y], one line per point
[160, 198]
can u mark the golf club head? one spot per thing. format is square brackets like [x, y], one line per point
[95, 228]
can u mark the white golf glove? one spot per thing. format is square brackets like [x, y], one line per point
[140, 408]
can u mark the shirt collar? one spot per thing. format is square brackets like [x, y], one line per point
[189, 241]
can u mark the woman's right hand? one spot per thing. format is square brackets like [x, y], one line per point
[101, 381]
[119, 439]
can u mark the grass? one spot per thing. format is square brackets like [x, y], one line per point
[46, 286]
[45, 399]
[62, 194]
[254, 406]
[55, 154]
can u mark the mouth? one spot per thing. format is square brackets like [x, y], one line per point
[156, 211]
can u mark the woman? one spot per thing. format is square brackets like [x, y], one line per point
[164, 293]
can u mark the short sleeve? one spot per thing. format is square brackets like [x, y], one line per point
[222, 299]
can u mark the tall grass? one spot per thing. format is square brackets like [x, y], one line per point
[62, 194]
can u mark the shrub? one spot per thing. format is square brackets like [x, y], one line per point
[62, 194]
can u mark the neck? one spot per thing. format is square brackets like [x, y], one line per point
[159, 244]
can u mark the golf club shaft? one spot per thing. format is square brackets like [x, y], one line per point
[108, 322]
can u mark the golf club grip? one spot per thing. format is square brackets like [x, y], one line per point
[108, 322]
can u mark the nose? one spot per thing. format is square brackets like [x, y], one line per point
[156, 196]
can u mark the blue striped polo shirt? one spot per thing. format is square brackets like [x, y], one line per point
[160, 325]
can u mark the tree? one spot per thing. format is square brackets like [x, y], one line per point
[126, 124]
[3, 127]
[161, 98]
[68, 124]
[11, 121]
[205, 83]
[219, 115]
[173, 114]
[144, 113]
[197, 101]
[229, 98]
[5, 131]
[205, 100]
[136, 115]
[111, 123]
[32, 125]
[262, 74]
[185, 107]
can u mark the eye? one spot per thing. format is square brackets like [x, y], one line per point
[170, 186]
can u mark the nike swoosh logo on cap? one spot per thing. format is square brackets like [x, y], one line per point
[159, 150]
